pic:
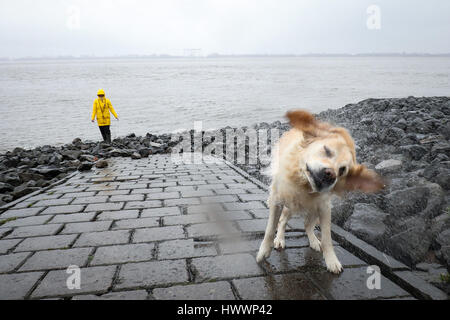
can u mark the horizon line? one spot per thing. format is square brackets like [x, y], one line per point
[218, 55]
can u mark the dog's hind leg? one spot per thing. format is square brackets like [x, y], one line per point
[267, 243]
[279, 242]
[310, 223]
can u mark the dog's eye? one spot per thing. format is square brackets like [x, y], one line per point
[328, 152]
[341, 171]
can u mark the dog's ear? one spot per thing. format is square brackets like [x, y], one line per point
[360, 178]
[306, 122]
[302, 120]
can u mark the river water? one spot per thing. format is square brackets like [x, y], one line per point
[50, 101]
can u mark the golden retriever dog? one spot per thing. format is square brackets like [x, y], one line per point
[312, 162]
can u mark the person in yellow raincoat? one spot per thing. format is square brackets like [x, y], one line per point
[102, 107]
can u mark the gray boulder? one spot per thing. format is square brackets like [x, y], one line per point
[407, 202]
[135, 155]
[443, 240]
[85, 166]
[410, 240]
[367, 222]
[389, 166]
[101, 163]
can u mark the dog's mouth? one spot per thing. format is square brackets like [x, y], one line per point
[317, 185]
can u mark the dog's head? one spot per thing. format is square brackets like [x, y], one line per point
[328, 157]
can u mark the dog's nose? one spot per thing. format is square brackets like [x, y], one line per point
[328, 175]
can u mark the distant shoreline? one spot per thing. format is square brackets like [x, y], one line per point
[218, 56]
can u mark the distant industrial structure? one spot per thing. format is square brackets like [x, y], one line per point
[192, 52]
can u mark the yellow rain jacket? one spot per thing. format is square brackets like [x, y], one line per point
[101, 110]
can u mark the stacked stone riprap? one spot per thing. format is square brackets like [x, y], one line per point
[407, 142]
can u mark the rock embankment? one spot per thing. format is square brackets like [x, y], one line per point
[407, 142]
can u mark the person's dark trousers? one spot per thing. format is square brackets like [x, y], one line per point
[106, 133]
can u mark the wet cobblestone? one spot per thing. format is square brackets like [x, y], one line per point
[157, 229]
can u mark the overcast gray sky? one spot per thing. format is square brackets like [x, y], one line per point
[117, 27]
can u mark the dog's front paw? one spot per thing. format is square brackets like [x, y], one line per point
[333, 265]
[264, 252]
[315, 245]
[279, 243]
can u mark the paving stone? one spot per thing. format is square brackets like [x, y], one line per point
[34, 231]
[423, 288]
[255, 225]
[46, 243]
[28, 221]
[55, 259]
[239, 245]
[188, 248]
[294, 259]
[253, 197]
[52, 202]
[132, 186]
[153, 273]
[244, 205]
[88, 200]
[211, 229]
[17, 285]
[229, 191]
[191, 183]
[143, 204]
[113, 192]
[211, 186]
[127, 197]
[123, 254]
[196, 193]
[6, 245]
[296, 223]
[219, 290]
[179, 188]
[92, 280]
[228, 215]
[103, 238]
[162, 184]
[158, 234]
[219, 199]
[78, 194]
[184, 219]
[147, 191]
[20, 213]
[81, 227]
[204, 208]
[228, 266]
[4, 231]
[122, 295]
[163, 196]
[181, 202]
[10, 261]
[108, 206]
[292, 286]
[352, 284]
[159, 212]
[73, 217]
[71, 208]
[118, 215]
[261, 213]
[43, 196]
[136, 223]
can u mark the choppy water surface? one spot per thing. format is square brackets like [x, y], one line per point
[50, 102]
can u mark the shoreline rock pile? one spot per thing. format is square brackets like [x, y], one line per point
[25, 171]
